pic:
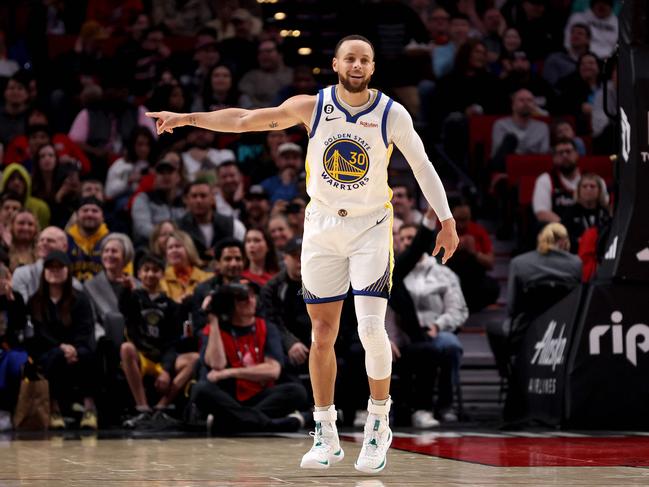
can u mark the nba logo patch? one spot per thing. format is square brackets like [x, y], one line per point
[346, 161]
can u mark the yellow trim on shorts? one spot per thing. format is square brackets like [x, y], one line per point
[389, 207]
[148, 366]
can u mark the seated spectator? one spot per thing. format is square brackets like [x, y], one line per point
[93, 129]
[240, 51]
[562, 129]
[44, 174]
[85, 239]
[68, 192]
[403, 204]
[256, 207]
[603, 25]
[63, 339]
[577, 92]
[534, 20]
[263, 83]
[228, 258]
[280, 231]
[260, 262]
[441, 311]
[554, 192]
[13, 314]
[520, 133]
[561, 64]
[295, 213]
[148, 59]
[163, 202]
[283, 305]
[206, 54]
[494, 26]
[201, 154]
[590, 209]
[153, 328]
[10, 204]
[445, 47]
[517, 74]
[181, 19]
[24, 233]
[526, 297]
[125, 173]
[229, 189]
[183, 272]
[203, 224]
[23, 148]
[290, 164]
[472, 260]
[304, 83]
[240, 364]
[159, 236]
[16, 179]
[106, 288]
[27, 278]
[219, 91]
[260, 166]
[14, 109]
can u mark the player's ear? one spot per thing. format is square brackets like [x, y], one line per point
[334, 64]
[373, 66]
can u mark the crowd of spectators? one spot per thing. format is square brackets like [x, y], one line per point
[170, 266]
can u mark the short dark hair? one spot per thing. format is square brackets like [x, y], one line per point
[150, 258]
[563, 141]
[225, 243]
[405, 186]
[197, 182]
[353, 37]
[585, 27]
[406, 226]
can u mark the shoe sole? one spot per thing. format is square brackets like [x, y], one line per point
[315, 465]
[378, 469]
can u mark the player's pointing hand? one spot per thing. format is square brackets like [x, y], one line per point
[166, 121]
[447, 239]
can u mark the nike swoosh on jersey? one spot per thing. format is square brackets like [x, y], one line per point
[378, 222]
[330, 119]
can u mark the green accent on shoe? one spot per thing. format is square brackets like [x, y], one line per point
[380, 466]
[326, 462]
[337, 454]
[372, 442]
[377, 422]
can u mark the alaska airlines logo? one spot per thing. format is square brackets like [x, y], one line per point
[346, 161]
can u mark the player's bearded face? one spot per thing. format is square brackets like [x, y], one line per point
[354, 82]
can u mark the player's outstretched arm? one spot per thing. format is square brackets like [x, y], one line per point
[294, 111]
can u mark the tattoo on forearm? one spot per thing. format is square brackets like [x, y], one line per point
[192, 120]
[273, 124]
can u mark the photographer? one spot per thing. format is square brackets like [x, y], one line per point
[241, 361]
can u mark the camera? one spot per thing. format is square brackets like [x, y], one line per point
[223, 298]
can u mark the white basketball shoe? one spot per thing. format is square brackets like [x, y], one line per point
[376, 441]
[326, 450]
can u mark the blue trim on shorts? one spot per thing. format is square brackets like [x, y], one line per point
[340, 297]
[376, 294]
[384, 122]
[318, 112]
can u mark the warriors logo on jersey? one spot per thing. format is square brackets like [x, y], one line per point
[346, 161]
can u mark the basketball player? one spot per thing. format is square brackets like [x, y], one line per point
[347, 228]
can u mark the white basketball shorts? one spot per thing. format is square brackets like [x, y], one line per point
[339, 248]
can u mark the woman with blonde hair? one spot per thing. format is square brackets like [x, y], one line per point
[159, 236]
[591, 208]
[183, 272]
[537, 280]
[24, 234]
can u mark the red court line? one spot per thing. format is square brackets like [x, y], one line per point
[534, 452]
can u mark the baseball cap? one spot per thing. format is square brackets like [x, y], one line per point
[293, 246]
[57, 256]
[91, 200]
[289, 147]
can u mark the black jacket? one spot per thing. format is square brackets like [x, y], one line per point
[223, 227]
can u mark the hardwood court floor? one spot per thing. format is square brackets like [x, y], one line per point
[273, 461]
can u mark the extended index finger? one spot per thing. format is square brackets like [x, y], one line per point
[153, 114]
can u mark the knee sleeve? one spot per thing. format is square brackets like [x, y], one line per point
[378, 353]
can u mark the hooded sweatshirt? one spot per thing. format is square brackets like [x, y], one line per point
[36, 205]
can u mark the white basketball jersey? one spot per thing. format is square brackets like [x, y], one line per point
[347, 156]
